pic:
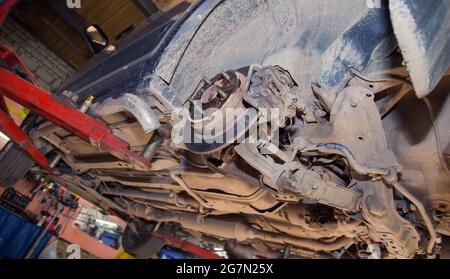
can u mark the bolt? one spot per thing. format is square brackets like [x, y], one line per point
[221, 93]
[226, 76]
[206, 80]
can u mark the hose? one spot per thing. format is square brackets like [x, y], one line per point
[436, 135]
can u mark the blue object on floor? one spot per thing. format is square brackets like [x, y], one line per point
[110, 239]
[17, 236]
[170, 254]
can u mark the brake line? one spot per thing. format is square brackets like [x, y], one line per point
[177, 178]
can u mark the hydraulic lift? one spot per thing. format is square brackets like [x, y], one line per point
[30, 95]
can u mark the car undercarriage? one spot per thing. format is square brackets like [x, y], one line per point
[330, 182]
[286, 156]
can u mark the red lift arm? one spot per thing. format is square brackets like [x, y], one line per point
[42, 103]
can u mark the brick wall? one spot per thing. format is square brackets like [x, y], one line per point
[49, 68]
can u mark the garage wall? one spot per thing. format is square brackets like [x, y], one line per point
[61, 28]
[49, 68]
[112, 16]
[69, 233]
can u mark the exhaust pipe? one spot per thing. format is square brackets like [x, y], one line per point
[132, 104]
[226, 228]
